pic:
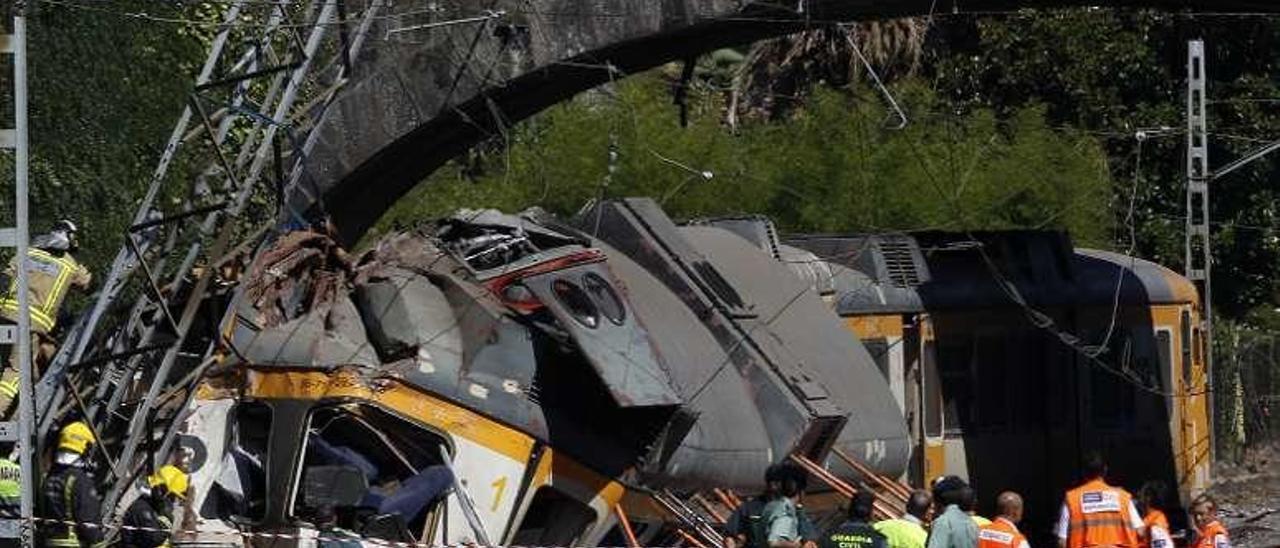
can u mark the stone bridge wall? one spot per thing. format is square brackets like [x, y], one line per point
[420, 97]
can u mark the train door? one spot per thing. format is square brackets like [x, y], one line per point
[1186, 427]
[1193, 444]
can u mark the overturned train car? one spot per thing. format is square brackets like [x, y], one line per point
[516, 380]
[1104, 351]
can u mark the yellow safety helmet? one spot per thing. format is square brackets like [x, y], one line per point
[76, 437]
[172, 478]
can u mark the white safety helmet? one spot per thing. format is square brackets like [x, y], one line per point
[62, 237]
[65, 225]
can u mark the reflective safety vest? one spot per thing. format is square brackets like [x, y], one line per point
[902, 533]
[10, 486]
[1157, 526]
[48, 278]
[853, 534]
[165, 523]
[65, 535]
[1000, 533]
[1099, 516]
[1213, 535]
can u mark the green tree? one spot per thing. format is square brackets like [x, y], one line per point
[1114, 72]
[833, 166]
[105, 91]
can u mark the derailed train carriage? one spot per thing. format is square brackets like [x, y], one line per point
[515, 380]
[1010, 385]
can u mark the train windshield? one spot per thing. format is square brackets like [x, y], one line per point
[371, 472]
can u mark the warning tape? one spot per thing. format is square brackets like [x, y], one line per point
[178, 536]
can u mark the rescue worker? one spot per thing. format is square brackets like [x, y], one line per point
[1003, 532]
[1151, 501]
[744, 522]
[51, 272]
[951, 528]
[69, 494]
[1097, 514]
[1209, 531]
[10, 488]
[856, 532]
[148, 523]
[908, 531]
[780, 518]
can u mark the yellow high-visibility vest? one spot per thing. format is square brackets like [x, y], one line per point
[48, 278]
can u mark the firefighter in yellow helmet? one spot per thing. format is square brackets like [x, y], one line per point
[69, 494]
[149, 520]
[51, 273]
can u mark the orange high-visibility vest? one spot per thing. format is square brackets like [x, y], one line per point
[1000, 533]
[1154, 519]
[1209, 536]
[1099, 516]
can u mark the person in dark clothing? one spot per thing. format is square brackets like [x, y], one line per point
[149, 520]
[856, 532]
[69, 494]
[744, 528]
[738, 529]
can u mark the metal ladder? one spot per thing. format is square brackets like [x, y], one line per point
[19, 336]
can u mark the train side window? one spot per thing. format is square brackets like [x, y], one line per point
[553, 519]
[1197, 345]
[932, 393]
[954, 367]
[239, 492]
[382, 475]
[879, 350]
[1164, 349]
[1186, 349]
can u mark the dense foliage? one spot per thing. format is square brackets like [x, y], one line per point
[105, 92]
[1115, 73]
[833, 166]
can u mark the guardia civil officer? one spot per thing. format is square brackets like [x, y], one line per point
[856, 531]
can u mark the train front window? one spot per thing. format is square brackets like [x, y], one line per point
[239, 492]
[380, 475]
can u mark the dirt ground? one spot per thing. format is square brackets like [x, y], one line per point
[1248, 496]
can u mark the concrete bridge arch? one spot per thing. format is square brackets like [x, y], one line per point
[420, 96]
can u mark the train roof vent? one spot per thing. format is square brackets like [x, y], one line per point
[900, 260]
[757, 229]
